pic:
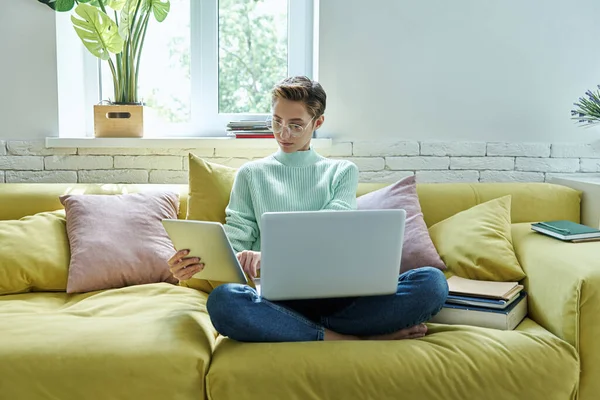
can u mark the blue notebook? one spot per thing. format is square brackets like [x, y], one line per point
[506, 310]
[566, 230]
[480, 301]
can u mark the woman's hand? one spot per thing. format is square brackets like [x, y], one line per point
[250, 262]
[184, 268]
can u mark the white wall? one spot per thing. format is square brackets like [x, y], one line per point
[28, 95]
[458, 70]
[393, 69]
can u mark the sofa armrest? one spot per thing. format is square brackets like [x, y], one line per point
[563, 283]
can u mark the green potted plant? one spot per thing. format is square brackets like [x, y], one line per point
[114, 31]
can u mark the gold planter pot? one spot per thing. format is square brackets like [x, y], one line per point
[119, 121]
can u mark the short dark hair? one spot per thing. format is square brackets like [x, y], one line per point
[304, 89]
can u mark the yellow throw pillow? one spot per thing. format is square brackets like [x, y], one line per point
[477, 243]
[34, 253]
[209, 190]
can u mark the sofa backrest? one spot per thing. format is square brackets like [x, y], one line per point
[530, 201]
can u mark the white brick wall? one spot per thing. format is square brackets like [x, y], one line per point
[113, 176]
[149, 162]
[41, 176]
[368, 163]
[483, 163]
[168, 177]
[447, 176]
[417, 163]
[458, 149]
[385, 148]
[590, 165]
[547, 164]
[378, 161]
[510, 176]
[34, 148]
[229, 162]
[78, 162]
[338, 149]
[133, 151]
[24, 163]
[518, 149]
[244, 153]
[574, 150]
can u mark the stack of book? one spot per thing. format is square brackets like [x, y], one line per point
[247, 129]
[567, 231]
[488, 304]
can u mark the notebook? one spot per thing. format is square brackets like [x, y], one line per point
[498, 304]
[566, 230]
[485, 289]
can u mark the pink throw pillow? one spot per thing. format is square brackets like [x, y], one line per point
[118, 240]
[418, 250]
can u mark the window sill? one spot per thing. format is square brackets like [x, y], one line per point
[177, 143]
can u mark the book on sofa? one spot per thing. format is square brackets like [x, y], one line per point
[567, 231]
[498, 304]
[473, 288]
[485, 317]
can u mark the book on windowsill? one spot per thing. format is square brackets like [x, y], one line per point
[251, 135]
[567, 231]
[473, 288]
[485, 317]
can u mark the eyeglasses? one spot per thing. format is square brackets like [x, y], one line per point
[295, 130]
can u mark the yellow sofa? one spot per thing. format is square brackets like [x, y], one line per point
[156, 341]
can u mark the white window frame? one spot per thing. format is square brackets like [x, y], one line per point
[79, 72]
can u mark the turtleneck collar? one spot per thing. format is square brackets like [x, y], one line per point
[297, 158]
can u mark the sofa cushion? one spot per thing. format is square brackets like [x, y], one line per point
[531, 201]
[34, 253]
[210, 187]
[22, 199]
[477, 243]
[452, 362]
[118, 240]
[140, 342]
[418, 249]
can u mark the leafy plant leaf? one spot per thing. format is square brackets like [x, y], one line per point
[116, 5]
[59, 5]
[125, 20]
[97, 31]
[160, 8]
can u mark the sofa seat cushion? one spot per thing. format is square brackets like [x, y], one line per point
[141, 342]
[453, 362]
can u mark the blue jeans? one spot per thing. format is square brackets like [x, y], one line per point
[239, 312]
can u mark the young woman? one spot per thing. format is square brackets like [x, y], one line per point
[296, 178]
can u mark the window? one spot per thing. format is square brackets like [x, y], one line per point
[213, 61]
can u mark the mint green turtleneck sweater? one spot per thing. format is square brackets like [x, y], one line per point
[299, 181]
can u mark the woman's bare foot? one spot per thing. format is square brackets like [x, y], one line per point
[331, 335]
[413, 332]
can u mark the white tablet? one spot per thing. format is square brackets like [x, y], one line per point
[208, 241]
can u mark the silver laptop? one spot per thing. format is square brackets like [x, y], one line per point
[321, 254]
